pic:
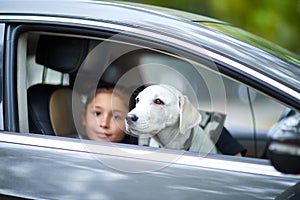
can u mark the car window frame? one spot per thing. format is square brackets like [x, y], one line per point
[2, 47]
[82, 32]
[10, 101]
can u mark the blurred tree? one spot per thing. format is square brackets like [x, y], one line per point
[274, 20]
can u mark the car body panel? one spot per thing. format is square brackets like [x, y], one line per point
[41, 172]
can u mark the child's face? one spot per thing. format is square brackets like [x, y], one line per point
[104, 117]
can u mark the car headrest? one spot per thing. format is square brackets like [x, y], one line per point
[63, 54]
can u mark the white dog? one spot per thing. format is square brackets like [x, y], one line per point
[164, 113]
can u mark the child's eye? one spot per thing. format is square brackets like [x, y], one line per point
[95, 113]
[116, 117]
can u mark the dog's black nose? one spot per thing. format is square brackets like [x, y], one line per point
[131, 118]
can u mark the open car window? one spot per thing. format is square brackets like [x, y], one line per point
[77, 63]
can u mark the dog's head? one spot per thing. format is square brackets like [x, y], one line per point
[158, 107]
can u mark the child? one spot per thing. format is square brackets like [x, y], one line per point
[104, 115]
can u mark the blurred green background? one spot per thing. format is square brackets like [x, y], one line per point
[275, 20]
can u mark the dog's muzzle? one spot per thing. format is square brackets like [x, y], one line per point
[131, 118]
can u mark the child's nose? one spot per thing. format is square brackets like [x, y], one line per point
[104, 121]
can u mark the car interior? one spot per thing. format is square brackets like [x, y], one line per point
[64, 55]
[56, 70]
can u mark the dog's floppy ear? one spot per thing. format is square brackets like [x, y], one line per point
[189, 115]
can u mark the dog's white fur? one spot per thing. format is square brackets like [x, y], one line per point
[164, 113]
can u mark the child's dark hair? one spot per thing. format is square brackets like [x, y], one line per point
[105, 86]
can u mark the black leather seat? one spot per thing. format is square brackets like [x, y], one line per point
[38, 108]
[63, 54]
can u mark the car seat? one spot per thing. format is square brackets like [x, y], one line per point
[62, 116]
[62, 54]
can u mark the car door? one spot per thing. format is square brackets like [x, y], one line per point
[66, 167]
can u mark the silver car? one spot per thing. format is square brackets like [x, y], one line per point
[50, 45]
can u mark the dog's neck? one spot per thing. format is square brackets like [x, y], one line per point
[171, 138]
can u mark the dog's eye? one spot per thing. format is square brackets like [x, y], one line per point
[159, 102]
[137, 100]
